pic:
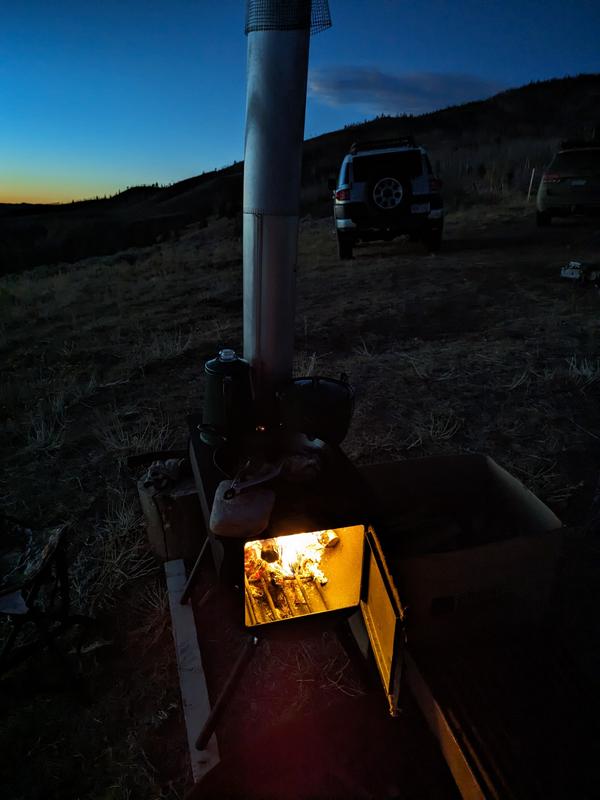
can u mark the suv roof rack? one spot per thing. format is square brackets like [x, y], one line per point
[575, 144]
[382, 144]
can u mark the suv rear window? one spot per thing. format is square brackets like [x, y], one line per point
[578, 159]
[395, 165]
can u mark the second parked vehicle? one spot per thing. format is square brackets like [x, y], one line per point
[571, 183]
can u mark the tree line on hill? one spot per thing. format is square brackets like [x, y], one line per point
[482, 150]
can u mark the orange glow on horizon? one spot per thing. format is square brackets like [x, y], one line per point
[47, 196]
[32, 200]
[26, 188]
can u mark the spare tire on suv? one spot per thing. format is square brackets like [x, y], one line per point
[387, 193]
[386, 189]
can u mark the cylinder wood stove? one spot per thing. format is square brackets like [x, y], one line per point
[318, 556]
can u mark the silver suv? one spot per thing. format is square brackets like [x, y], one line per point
[571, 183]
[386, 189]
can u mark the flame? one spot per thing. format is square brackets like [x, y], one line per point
[302, 552]
[298, 554]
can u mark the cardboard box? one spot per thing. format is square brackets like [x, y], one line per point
[472, 551]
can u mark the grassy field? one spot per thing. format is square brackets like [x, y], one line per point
[481, 348]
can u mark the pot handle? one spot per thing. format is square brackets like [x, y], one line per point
[214, 431]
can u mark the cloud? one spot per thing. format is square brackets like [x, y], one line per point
[375, 92]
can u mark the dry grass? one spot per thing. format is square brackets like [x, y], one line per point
[320, 665]
[480, 349]
[443, 427]
[46, 430]
[122, 433]
[115, 556]
[304, 364]
[583, 371]
[169, 344]
[153, 598]
[77, 343]
[476, 351]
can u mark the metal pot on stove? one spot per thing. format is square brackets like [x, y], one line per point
[319, 407]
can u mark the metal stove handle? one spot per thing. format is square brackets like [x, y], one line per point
[238, 485]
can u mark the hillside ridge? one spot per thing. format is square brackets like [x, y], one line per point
[484, 145]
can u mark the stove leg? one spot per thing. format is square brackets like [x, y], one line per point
[216, 711]
[189, 584]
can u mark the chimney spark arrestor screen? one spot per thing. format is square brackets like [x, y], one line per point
[287, 15]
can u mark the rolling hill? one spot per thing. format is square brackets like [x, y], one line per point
[482, 150]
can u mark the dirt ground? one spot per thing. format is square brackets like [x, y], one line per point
[480, 348]
[308, 717]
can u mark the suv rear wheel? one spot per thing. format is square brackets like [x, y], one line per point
[345, 246]
[433, 240]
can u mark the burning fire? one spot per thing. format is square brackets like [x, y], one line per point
[279, 571]
[298, 555]
[302, 574]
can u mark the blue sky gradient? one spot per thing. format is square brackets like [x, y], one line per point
[99, 96]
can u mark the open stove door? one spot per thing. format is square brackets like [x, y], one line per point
[383, 617]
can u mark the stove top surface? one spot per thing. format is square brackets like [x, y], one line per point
[334, 498]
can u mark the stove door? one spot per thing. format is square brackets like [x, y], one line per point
[383, 617]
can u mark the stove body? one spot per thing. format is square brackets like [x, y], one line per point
[318, 556]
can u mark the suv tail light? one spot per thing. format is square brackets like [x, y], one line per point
[435, 184]
[342, 194]
[550, 177]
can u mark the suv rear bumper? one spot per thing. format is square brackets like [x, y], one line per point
[354, 219]
[588, 209]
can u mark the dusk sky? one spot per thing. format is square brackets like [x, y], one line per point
[100, 95]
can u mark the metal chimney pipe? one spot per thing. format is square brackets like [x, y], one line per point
[278, 43]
